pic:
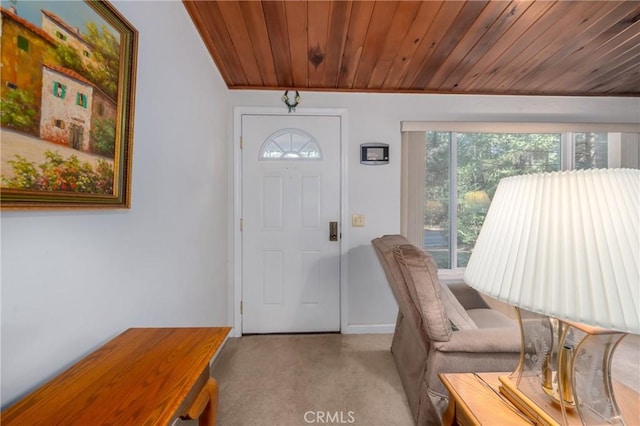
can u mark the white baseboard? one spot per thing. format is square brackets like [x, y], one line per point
[351, 329]
[369, 329]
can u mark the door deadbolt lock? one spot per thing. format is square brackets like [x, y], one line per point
[333, 231]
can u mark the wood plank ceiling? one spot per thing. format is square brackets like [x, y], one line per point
[482, 47]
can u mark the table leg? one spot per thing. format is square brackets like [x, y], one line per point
[205, 406]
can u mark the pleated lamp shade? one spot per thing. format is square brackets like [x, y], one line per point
[566, 245]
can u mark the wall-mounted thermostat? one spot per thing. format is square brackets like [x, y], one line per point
[374, 153]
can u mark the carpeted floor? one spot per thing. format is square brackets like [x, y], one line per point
[301, 379]
[290, 380]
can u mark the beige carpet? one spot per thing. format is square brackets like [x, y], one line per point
[287, 379]
[277, 380]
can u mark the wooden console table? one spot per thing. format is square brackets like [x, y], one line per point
[144, 376]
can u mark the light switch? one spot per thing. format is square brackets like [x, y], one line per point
[357, 220]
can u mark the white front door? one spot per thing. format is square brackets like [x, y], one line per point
[290, 195]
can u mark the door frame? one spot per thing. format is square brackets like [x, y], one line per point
[234, 294]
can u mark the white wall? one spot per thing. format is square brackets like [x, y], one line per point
[375, 190]
[71, 279]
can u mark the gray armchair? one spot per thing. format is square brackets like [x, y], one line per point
[440, 328]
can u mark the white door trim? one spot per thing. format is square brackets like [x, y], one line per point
[235, 239]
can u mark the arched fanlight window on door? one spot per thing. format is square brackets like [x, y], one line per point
[290, 144]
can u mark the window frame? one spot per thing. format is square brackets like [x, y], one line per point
[293, 154]
[63, 90]
[81, 99]
[412, 159]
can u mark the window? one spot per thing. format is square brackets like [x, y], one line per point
[11, 85]
[81, 99]
[23, 43]
[60, 35]
[481, 159]
[100, 109]
[59, 90]
[591, 150]
[58, 123]
[290, 144]
[450, 177]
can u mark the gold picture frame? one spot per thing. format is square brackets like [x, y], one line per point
[68, 87]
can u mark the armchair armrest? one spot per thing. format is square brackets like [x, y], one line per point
[468, 297]
[482, 340]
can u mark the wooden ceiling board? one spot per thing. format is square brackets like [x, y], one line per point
[490, 60]
[475, 33]
[584, 71]
[545, 63]
[377, 34]
[406, 53]
[623, 59]
[631, 85]
[257, 29]
[625, 70]
[485, 45]
[546, 44]
[503, 66]
[360, 17]
[532, 47]
[296, 13]
[404, 16]
[444, 20]
[318, 28]
[582, 61]
[595, 78]
[276, 22]
[629, 51]
[239, 35]
[336, 40]
[469, 14]
[599, 52]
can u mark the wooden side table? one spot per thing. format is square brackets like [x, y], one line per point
[144, 376]
[474, 399]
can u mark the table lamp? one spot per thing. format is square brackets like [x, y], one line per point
[563, 248]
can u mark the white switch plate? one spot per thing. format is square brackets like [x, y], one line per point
[357, 220]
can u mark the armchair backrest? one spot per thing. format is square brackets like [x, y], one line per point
[383, 246]
[420, 275]
[413, 277]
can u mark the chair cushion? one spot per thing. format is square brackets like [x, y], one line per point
[420, 273]
[490, 318]
[460, 319]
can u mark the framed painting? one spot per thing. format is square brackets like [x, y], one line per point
[68, 82]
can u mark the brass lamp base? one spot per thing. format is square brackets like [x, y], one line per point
[536, 404]
[564, 375]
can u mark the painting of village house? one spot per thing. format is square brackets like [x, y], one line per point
[67, 76]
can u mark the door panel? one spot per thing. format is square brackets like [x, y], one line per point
[291, 191]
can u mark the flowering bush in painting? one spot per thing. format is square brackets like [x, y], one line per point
[59, 174]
